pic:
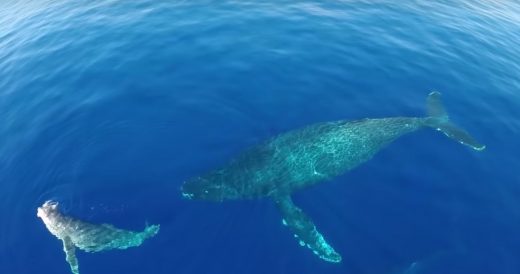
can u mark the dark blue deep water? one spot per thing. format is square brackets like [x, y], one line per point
[108, 106]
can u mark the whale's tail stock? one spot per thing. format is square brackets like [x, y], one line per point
[439, 120]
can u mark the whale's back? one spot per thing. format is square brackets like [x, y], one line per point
[299, 158]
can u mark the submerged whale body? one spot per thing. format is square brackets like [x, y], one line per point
[306, 156]
[88, 237]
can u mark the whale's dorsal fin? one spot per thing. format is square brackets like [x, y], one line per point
[70, 254]
[305, 230]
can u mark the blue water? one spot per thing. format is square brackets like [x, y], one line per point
[108, 106]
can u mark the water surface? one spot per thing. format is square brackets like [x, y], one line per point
[108, 106]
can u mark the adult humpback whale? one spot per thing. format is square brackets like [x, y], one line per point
[86, 236]
[303, 157]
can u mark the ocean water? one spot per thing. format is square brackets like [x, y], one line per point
[109, 106]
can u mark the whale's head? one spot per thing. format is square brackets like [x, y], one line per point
[203, 188]
[48, 211]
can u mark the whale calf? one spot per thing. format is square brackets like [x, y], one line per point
[88, 237]
[306, 156]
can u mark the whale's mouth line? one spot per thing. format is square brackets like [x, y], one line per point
[187, 196]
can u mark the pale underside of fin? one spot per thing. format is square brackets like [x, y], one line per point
[304, 230]
[70, 255]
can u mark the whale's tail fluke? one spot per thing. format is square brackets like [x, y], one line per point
[439, 120]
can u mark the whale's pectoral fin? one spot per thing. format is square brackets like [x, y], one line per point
[305, 230]
[70, 254]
